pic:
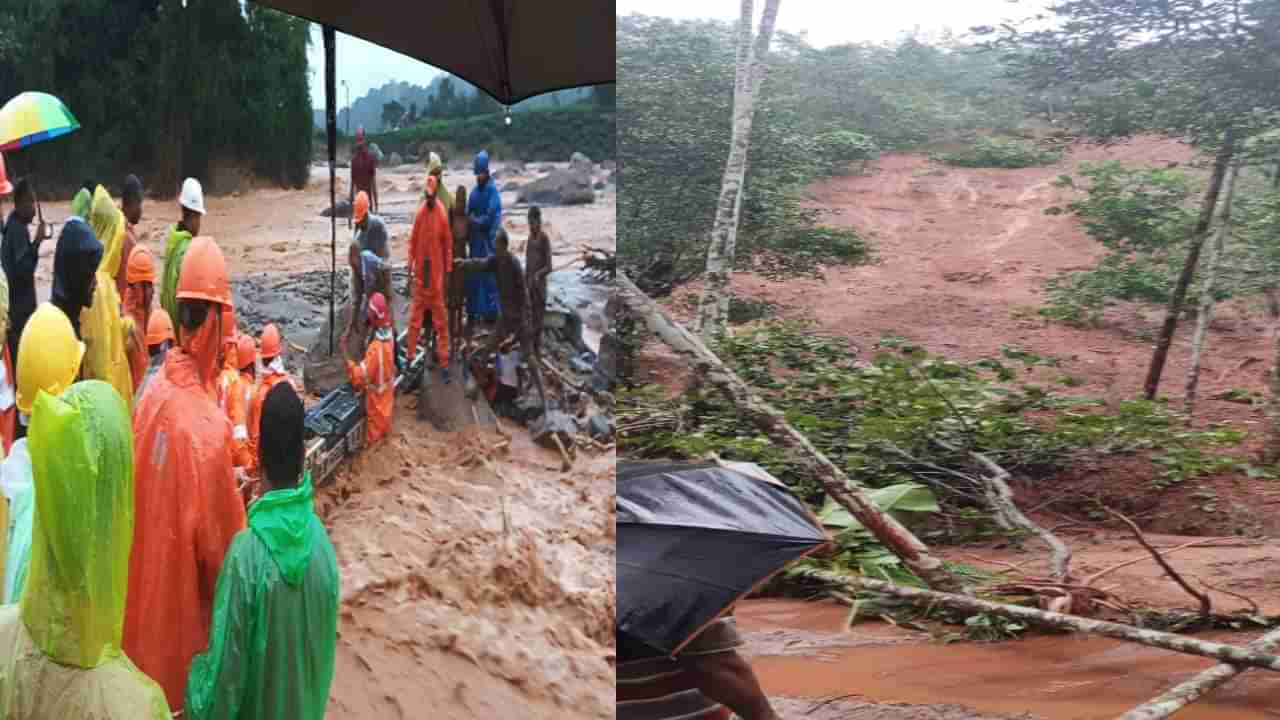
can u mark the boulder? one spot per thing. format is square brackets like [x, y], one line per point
[560, 187]
[395, 160]
[512, 186]
[342, 210]
[599, 185]
[600, 427]
[578, 161]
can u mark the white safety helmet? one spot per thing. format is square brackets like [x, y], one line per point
[192, 196]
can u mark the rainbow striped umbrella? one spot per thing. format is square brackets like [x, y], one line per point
[34, 117]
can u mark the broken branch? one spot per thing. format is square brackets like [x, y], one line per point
[892, 534]
[1059, 621]
[1205, 605]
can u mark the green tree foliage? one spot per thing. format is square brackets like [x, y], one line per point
[821, 112]
[1000, 153]
[392, 112]
[162, 90]
[534, 135]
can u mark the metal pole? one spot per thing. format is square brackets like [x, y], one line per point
[331, 122]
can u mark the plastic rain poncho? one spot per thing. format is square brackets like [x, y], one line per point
[189, 509]
[81, 203]
[16, 482]
[60, 653]
[484, 208]
[275, 618]
[175, 249]
[105, 331]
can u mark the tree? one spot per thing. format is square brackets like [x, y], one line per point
[392, 112]
[1207, 68]
[713, 311]
[413, 113]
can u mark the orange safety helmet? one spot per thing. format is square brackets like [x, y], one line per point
[141, 267]
[361, 209]
[159, 328]
[270, 342]
[6, 187]
[378, 315]
[246, 350]
[204, 273]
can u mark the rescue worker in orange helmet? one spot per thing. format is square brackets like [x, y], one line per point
[230, 365]
[270, 348]
[430, 260]
[240, 399]
[375, 376]
[139, 291]
[159, 339]
[188, 507]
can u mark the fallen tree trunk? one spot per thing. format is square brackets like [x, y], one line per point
[900, 541]
[1185, 693]
[1059, 621]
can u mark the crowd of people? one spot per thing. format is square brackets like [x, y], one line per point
[136, 582]
[458, 259]
[160, 551]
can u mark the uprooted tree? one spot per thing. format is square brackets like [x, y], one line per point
[950, 590]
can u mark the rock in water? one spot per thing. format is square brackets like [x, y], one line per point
[600, 427]
[342, 210]
[512, 186]
[580, 162]
[447, 406]
[395, 160]
[560, 187]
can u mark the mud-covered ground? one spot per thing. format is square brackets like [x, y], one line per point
[963, 255]
[445, 612]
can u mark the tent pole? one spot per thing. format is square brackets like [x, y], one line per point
[331, 123]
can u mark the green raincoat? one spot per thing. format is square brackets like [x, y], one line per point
[175, 249]
[275, 618]
[60, 653]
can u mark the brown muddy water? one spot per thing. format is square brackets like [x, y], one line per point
[800, 653]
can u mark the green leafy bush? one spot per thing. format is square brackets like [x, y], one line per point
[998, 153]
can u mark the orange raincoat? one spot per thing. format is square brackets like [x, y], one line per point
[272, 374]
[188, 509]
[239, 401]
[376, 378]
[430, 258]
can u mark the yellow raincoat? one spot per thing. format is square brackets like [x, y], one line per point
[60, 653]
[105, 330]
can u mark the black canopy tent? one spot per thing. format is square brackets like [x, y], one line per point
[510, 49]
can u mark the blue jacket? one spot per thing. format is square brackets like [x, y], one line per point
[484, 208]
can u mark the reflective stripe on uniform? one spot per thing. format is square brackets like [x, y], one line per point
[240, 433]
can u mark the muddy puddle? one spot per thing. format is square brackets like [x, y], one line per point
[800, 652]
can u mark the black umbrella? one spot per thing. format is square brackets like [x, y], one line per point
[511, 50]
[693, 539]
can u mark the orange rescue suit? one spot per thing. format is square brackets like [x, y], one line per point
[376, 377]
[274, 374]
[187, 510]
[238, 401]
[430, 258]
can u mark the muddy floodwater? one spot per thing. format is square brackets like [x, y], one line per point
[802, 655]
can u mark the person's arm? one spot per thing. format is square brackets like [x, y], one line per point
[217, 679]
[727, 678]
[487, 264]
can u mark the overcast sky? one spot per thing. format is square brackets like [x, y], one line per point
[363, 65]
[833, 23]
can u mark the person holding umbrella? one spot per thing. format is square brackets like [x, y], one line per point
[19, 255]
[692, 541]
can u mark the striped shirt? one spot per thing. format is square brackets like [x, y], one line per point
[653, 687]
